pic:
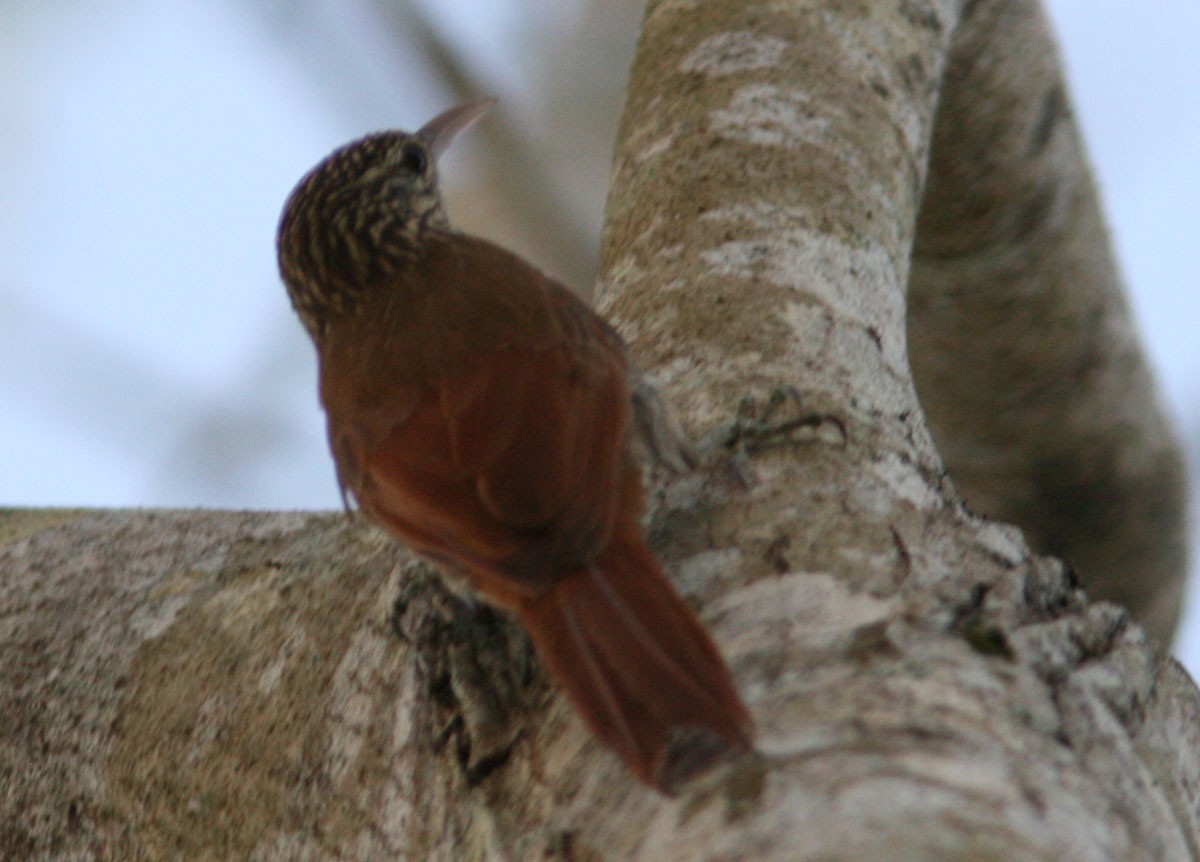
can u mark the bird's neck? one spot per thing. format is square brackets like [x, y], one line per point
[329, 279]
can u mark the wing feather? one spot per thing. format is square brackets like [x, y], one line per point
[506, 460]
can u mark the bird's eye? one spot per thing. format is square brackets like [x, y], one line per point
[413, 157]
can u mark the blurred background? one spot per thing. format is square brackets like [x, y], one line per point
[148, 356]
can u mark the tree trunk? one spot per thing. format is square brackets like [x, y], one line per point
[201, 685]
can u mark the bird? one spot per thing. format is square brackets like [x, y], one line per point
[480, 412]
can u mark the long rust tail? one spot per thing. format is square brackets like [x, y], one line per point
[638, 665]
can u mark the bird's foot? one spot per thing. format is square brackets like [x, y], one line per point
[657, 429]
[781, 421]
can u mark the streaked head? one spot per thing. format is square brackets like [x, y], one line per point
[361, 214]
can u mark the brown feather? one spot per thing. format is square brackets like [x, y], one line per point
[481, 413]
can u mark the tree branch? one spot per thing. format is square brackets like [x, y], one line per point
[256, 686]
[1021, 339]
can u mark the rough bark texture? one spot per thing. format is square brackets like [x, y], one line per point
[256, 686]
[1020, 337]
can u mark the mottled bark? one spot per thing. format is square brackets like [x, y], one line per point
[286, 686]
[1020, 336]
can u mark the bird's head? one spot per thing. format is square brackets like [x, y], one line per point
[360, 215]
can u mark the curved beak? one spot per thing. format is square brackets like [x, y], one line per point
[445, 127]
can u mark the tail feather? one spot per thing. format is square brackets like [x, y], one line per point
[638, 665]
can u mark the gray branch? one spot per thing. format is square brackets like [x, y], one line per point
[1020, 335]
[291, 686]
